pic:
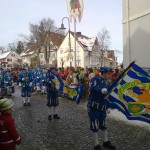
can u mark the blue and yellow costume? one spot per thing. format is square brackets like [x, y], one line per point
[8, 80]
[2, 83]
[26, 84]
[96, 104]
[43, 82]
[52, 94]
[97, 108]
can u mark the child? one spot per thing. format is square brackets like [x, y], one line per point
[9, 137]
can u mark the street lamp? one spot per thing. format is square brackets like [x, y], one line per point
[63, 28]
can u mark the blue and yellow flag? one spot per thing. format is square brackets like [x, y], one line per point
[130, 94]
[73, 92]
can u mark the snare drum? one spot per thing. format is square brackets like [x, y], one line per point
[11, 89]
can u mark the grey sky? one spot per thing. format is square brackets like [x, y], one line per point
[15, 16]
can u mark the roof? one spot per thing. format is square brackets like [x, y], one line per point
[27, 53]
[86, 42]
[56, 38]
[111, 54]
[4, 55]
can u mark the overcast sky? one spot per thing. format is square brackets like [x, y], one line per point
[15, 16]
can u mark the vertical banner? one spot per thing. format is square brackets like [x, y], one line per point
[75, 9]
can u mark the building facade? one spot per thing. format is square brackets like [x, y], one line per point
[86, 52]
[10, 59]
[136, 31]
[34, 50]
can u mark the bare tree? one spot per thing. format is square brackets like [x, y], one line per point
[2, 48]
[11, 47]
[40, 34]
[104, 41]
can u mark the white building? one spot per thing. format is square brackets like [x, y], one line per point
[10, 59]
[33, 50]
[87, 54]
[136, 32]
[27, 55]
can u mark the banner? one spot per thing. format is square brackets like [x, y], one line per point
[73, 92]
[75, 9]
[130, 94]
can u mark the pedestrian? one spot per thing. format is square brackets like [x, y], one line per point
[9, 136]
[97, 107]
[52, 94]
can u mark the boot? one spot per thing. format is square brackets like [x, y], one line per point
[109, 145]
[49, 117]
[29, 104]
[98, 147]
[56, 116]
[24, 104]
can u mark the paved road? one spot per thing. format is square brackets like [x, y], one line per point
[71, 132]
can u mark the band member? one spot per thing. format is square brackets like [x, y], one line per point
[26, 84]
[44, 76]
[52, 94]
[97, 107]
[8, 80]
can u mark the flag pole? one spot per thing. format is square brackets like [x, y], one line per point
[75, 43]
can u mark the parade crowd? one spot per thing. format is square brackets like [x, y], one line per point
[96, 82]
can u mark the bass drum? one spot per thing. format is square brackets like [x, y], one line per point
[11, 89]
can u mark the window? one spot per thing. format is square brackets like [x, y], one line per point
[61, 58]
[41, 55]
[9, 60]
[53, 55]
[19, 60]
[61, 51]
[13, 55]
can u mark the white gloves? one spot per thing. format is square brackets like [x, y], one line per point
[23, 79]
[104, 91]
[30, 84]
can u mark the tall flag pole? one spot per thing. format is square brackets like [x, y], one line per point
[75, 10]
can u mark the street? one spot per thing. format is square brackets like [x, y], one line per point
[71, 132]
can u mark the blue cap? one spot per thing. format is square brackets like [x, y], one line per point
[8, 70]
[106, 69]
[52, 68]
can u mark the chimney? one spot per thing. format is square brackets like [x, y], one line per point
[78, 34]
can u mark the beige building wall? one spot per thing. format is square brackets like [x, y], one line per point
[136, 32]
[62, 53]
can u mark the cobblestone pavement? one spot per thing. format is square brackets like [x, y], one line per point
[71, 132]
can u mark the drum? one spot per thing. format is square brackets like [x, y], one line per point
[11, 89]
[3, 91]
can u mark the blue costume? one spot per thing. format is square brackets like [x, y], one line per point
[96, 104]
[97, 108]
[37, 79]
[52, 94]
[26, 84]
[2, 83]
[8, 80]
[1, 78]
[44, 77]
